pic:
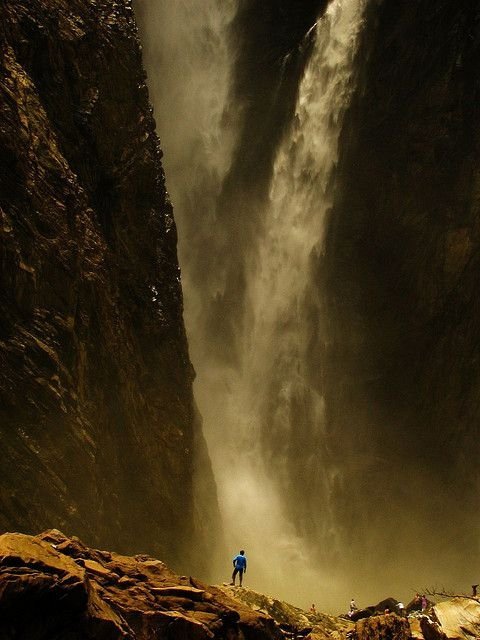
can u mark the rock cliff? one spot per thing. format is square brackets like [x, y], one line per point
[402, 362]
[98, 430]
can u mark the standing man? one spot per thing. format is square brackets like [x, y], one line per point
[239, 566]
[353, 608]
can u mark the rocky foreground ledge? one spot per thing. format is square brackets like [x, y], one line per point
[55, 588]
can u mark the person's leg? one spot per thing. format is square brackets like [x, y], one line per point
[235, 571]
[240, 573]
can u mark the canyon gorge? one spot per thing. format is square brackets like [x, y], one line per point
[319, 407]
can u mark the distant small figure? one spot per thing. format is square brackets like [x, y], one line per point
[401, 609]
[353, 608]
[239, 566]
[424, 603]
[474, 590]
[313, 610]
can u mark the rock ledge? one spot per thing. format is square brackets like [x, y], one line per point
[52, 586]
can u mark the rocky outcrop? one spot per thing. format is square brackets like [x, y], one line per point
[458, 618]
[430, 630]
[293, 621]
[385, 627]
[97, 424]
[387, 605]
[52, 586]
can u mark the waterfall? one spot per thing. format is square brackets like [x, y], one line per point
[269, 419]
[263, 415]
[282, 294]
[189, 65]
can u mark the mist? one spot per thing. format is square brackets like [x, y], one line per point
[250, 105]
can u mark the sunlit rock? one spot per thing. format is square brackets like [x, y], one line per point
[459, 617]
[291, 619]
[52, 586]
[383, 627]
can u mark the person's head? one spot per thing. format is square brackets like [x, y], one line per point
[242, 552]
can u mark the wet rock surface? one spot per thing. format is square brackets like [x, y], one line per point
[97, 422]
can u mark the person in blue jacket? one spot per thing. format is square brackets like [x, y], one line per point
[239, 566]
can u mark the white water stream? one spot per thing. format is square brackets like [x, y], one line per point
[191, 94]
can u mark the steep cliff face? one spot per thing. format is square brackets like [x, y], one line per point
[97, 422]
[403, 373]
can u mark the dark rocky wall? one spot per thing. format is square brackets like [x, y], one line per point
[402, 271]
[97, 424]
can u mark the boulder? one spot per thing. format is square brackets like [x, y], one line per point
[40, 588]
[293, 621]
[459, 617]
[389, 604]
[92, 566]
[180, 591]
[431, 630]
[416, 632]
[362, 614]
[383, 627]
[414, 605]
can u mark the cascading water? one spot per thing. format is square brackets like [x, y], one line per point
[271, 399]
[263, 417]
[281, 293]
[189, 64]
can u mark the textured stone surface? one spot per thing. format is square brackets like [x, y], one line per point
[97, 422]
[291, 619]
[458, 617]
[51, 587]
[401, 340]
[386, 627]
